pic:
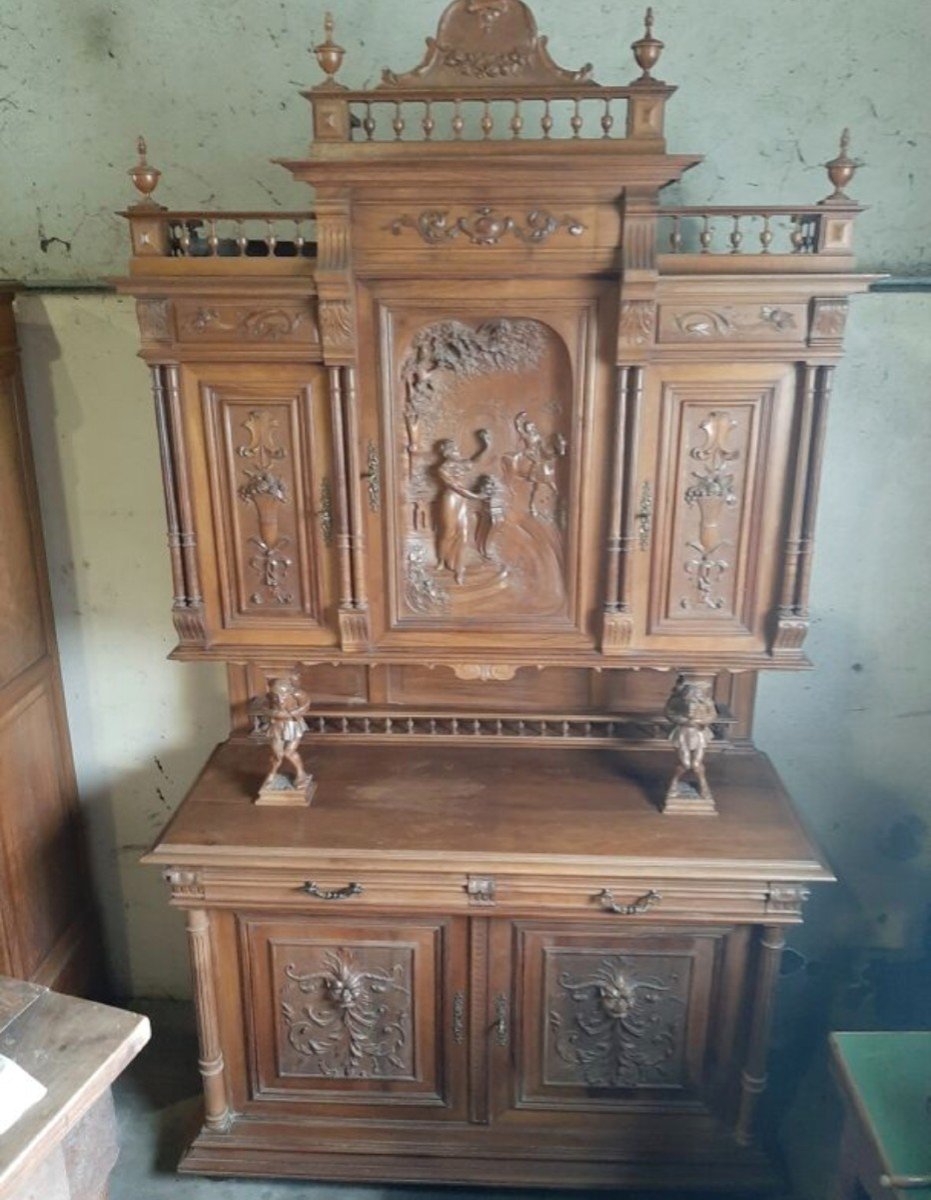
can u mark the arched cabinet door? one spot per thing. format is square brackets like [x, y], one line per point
[252, 467]
[710, 535]
[486, 423]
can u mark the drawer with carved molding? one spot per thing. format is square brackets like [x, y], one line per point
[274, 322]
[700, 323]
[347, 890]
[637, 899]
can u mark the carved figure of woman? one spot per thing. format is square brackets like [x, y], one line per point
[288, 706]
[456, 504]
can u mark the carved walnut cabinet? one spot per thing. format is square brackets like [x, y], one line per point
[513, 471]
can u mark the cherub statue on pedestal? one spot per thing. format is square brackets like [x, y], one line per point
[692, 711]
[285, 708]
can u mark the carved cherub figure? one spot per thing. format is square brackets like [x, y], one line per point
[287, 707]
[692, 711]
[536, 461]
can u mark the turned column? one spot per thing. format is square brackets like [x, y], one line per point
[753, 1077]
[217, 1116]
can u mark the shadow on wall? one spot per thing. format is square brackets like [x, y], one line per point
[141, 727]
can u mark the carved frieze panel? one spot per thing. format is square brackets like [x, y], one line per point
[487, 226]
[615, 1020]
[345, 1012]
[249, 322]
[698, 323]
[482, 414]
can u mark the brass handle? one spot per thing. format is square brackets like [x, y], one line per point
[502, 1025]
[372, 477]
[459, 1008]
[641, 905]
[644, 516]
[314, 889]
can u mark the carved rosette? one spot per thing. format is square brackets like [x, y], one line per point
[616, 1021]
[349, 1015]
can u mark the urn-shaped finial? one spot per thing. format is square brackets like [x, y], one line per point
[647, 50]
[329, 55]
[145, 177]
[842, 169]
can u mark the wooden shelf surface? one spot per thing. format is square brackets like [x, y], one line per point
[504, 808]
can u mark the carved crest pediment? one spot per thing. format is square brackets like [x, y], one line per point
[487, 43]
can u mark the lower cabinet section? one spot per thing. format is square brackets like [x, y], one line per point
[480, 1049]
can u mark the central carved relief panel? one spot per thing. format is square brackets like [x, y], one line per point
[483, 455]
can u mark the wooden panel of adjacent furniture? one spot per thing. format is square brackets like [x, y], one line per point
[46, 930]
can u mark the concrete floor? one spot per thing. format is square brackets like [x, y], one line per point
[157, 1102]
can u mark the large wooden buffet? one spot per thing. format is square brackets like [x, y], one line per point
[510, 474]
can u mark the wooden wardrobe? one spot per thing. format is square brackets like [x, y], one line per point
[47, 931]
[515, 470]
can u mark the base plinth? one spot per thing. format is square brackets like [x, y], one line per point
[685, 800]
[281, 793]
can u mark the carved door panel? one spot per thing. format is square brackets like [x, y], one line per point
[260, 450]
[711, 526]
[360, 1015]
[597, 1019]
[487, 423]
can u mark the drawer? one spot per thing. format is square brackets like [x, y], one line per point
[607, 898]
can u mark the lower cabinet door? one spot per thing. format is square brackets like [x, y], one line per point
[360, 1016]
[592, 1019]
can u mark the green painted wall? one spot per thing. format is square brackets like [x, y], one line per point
[765, 90]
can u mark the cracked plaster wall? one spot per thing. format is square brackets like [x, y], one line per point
[764, 90]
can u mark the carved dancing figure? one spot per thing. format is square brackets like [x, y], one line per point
[455, 505]
[691, 710]
[287, 707]
[536, 462]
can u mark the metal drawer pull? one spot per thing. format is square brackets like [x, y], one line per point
[644, 904]
[351, 889]
[502, 1023]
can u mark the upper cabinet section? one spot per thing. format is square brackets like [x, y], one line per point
[489, 403]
